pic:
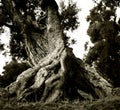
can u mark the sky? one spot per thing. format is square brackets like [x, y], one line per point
[4, 39]
[80, 34]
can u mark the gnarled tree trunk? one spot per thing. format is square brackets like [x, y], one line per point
[56, 73]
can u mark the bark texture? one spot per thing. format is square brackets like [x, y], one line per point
[56, 73]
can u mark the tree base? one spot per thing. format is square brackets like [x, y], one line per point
[59, 75]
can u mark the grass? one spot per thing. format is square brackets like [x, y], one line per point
[108, 103]
[12, 104]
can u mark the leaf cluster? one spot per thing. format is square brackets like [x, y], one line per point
[11, 71]
[68, 15]
[104, 33]
[112, 2]
[17, 46]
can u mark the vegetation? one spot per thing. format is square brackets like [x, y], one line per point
[11, 71]
[56, 79]
[17, 44]
[68, 17]
[104, 32]
[55, 72]
[108, 103]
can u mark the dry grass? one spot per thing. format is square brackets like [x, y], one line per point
[108, 103]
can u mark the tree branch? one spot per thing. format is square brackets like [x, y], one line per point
[21, 22]
[16, 17]
[34, 24]
[8, 25]
[9, 6]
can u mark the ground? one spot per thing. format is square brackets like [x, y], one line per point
[108, 103]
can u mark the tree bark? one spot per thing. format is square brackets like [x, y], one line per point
[56, 73]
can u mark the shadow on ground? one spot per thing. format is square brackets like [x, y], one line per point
[108, 103]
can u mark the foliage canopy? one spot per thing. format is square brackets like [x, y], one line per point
[104, 32]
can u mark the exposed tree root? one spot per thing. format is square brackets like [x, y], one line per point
[44, 74]
[59, 75]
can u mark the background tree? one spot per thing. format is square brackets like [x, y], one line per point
[55, 72]
[104, 32]
[11, 71]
